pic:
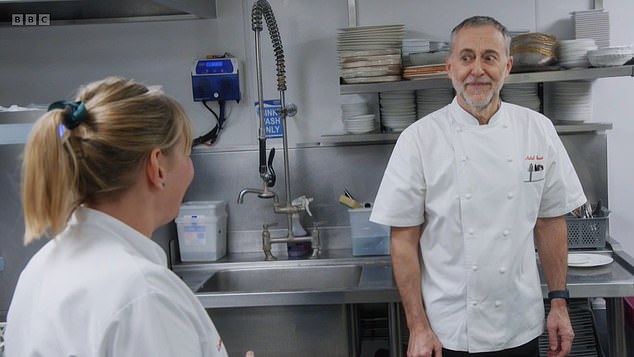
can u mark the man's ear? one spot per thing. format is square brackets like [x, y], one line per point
[448, 66]
[509, 65]
[153, 170]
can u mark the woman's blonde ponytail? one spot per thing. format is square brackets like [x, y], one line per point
[49, 191]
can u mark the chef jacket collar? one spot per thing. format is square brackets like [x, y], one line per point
[133, 241]
[464, 119]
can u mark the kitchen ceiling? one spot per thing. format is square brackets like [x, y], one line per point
[74, 11]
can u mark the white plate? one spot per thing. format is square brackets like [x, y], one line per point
[580, 260]
[372, 79]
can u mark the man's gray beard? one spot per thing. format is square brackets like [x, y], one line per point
[480, 107]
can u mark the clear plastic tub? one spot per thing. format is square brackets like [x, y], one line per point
[368, 238]
[202, 230]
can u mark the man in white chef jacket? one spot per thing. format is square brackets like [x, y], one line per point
[469, 191]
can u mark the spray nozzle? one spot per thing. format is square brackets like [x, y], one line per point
[303, 202]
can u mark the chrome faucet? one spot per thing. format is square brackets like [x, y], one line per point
[289, 210]
[262, 193]
[262, 9]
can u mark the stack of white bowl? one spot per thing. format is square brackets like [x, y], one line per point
[398, 109]
[570, 101]
[611, 56]
[357, 118]
[431, 99]
[524, 94]
[574, 53]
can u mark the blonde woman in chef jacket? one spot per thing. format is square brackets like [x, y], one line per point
[99, 176]
[466, 190]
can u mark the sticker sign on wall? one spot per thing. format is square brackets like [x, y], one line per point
[272, 121]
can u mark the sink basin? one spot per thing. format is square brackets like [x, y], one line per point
[283, 279]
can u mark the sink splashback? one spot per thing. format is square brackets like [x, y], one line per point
[318, 172]
[323, 172]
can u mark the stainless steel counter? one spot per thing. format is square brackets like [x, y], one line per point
[376, 285]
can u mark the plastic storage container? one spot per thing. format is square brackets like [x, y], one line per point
[202, 230]
[368, 238]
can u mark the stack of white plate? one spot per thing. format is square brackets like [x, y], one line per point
[435, 46]
[574, 53]
[398, 109]
[427, 58]
[370, 66]
[570, 101]
[413, 45]
[431, 99]
[370, 53]
[524, 94]
[593, 24]
[357, 118]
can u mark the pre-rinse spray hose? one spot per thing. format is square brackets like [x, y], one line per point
[261, 8]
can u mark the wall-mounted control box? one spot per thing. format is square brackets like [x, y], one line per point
[216, 79]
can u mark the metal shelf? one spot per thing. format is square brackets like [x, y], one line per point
[441, 80]
[390, 138]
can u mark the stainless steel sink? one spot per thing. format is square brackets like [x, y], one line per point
[297, 278]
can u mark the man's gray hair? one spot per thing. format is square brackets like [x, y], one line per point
[477, 21]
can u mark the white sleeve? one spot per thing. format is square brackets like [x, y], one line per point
[400, 201]
[562, 189]
[154, 325]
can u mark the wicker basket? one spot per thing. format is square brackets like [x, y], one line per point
[587, 232]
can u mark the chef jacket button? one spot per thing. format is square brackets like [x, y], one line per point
[506, 232]
[509, 195]
[471, 231]
[474, 268]
[498, 303]
[474, 303]
[467, 195]
[502, 270]
[509, 159]
[464, 158]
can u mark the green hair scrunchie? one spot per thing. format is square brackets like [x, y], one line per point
[74, 112]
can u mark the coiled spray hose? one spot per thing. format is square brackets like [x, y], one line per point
[261, 8]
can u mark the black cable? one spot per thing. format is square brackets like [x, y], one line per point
[212, 135]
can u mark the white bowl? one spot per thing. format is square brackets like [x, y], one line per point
[360, 118]
[611, 56]
[609, 59]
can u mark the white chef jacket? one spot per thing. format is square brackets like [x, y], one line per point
[478, 190]
[101, 288]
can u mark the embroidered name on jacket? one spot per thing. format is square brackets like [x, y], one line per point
[534, 168]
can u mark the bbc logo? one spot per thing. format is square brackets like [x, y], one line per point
[30, 19]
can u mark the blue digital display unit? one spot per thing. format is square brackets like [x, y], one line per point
[215, 66]
[216, 79]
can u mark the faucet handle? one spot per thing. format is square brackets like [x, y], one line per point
[266, 226]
